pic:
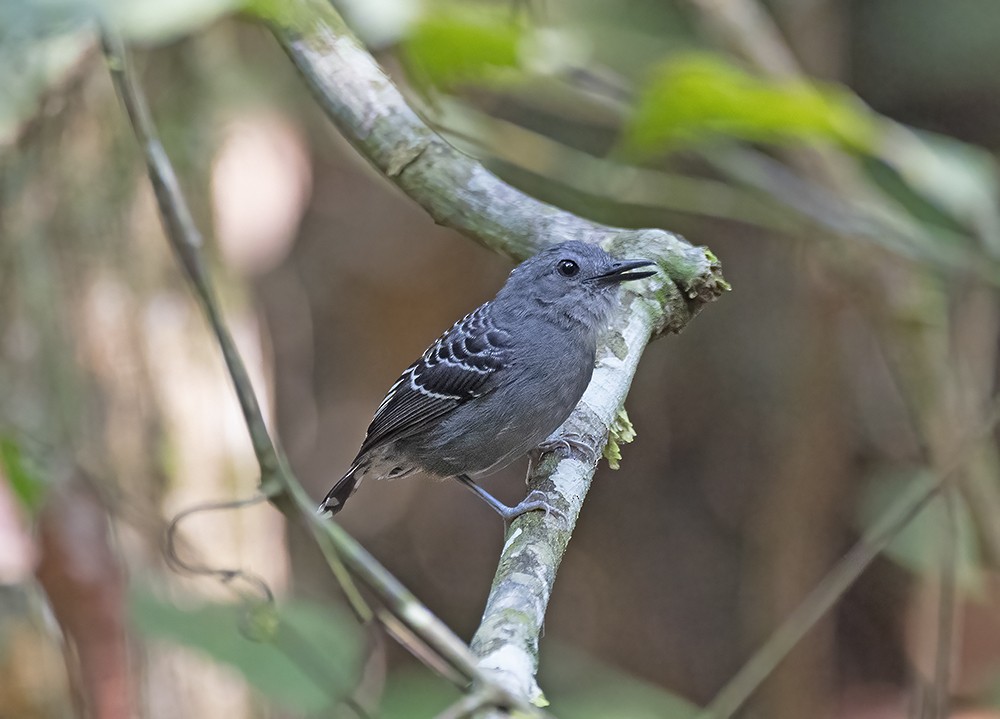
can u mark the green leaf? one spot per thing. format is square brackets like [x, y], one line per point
[282, 13]
[583, 687]
[694, 98]
[919, 546]
[577, 685]
[459, 44]
[22, 475]
[302, 656]
[416, 692]
[622, 432]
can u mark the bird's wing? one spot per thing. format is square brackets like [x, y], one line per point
[462, 364]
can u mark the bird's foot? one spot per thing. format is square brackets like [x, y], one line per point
[534, 502]
[566, 443]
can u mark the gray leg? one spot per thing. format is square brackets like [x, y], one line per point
[509, 514]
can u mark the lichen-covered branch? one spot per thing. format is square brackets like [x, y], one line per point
[507, 639]
[460, 193]
[456, 190]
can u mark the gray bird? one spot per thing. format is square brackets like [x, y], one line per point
[500, 381]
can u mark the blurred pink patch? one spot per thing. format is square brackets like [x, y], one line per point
[261, 183]
[18, 553]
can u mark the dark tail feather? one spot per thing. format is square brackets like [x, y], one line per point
[336, 497]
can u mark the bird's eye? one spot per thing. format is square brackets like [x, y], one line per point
[568, 268]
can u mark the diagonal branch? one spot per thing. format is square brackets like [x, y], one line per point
[507, 639]
[459, 193]
[805, 616]
[850, 567]
[456, 190]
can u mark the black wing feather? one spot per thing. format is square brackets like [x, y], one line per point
[462, 364]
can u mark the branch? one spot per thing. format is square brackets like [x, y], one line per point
[459, 193]
[507, 639]
[456, 190]
[946, 650]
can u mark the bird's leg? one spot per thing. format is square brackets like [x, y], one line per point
[534, 457]
[509, 514]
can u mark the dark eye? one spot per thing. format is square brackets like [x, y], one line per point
[568, 268]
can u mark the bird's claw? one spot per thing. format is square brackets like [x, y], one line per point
[566, 443]
[534, 502]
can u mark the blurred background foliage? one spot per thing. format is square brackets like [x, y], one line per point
[837, 156]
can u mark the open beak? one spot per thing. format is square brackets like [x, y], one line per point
[623, 271]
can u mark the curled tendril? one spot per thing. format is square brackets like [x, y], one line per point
[227, 576]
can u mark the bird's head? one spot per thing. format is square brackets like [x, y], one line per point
[573, 279]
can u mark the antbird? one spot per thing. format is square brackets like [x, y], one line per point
[500, 381]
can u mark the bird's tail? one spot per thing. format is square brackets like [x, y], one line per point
[336, 497]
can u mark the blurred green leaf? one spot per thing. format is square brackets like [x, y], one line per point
[957, 178]
[416, 692]
[576, 684]
[919, 546]
[694, 98]
[585, 688]
[22, 475]
[302, 656]
[455, 44]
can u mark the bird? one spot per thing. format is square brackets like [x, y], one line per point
[500, 381]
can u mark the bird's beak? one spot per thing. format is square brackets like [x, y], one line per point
[622, 271]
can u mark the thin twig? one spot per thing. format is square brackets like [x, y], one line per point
[186, 241]
[843, 575]
[746, 681]
[944, 655]
[226, 576]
